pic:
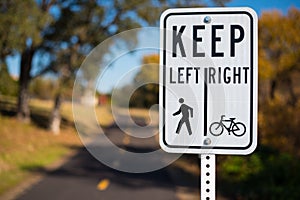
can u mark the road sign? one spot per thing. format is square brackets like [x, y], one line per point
[208, 78]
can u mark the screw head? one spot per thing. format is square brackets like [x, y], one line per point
[207, 141]
[207, 19]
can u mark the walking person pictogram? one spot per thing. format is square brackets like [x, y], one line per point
[186, 111]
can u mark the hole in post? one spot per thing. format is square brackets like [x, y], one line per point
[207, 157]
[207, 166]
[207, 198]
[207, 174]
[207, 190]
[207, 182]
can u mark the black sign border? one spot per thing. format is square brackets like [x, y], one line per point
[251, 79]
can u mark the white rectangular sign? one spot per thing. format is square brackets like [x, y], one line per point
[208, 78]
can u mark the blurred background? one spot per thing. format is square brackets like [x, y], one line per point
[44, 42]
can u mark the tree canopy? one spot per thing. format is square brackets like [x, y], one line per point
[66, 31]
[21, 25]
[146, 80]
[279, 45]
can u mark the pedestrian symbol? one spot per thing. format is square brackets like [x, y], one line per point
[186, 111]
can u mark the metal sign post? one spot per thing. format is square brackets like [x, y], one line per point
[208, 85]
[208, 176]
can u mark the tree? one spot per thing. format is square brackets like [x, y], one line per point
[84, 24]
[144, 86]
[149, 69]
[279, 72]
[279, 50]
[146, 95]
[22, 24]
[28, 27]
[39, 18]
[8, 86]
[276, 160]
[43, 88]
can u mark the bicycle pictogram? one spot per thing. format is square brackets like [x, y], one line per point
[237, 128]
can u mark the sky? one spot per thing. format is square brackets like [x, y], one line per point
[262, 5]
[124, 69]
[129, 62]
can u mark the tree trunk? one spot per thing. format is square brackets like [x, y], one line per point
[23, 112]
[55, 116]
[293, 97]
[273, 88]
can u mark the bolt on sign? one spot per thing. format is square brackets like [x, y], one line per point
[208, 78]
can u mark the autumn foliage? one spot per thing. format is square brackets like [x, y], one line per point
[279, 73]
[272, 172]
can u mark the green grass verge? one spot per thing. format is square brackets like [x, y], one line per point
[26, 149]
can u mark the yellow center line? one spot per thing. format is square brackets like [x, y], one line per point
[126, 140]
[103, 184]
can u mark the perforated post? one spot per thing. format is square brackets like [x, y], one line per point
[208, 177]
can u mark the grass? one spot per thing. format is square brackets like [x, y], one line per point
[104, 116]
[103, 113]
[27, 148]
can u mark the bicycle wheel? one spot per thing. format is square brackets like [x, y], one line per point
[216, 129]
[239, 129]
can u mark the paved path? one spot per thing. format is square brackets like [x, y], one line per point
[84, 177]
[79, 178]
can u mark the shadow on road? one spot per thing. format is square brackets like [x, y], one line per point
[78, 179]
[80, 176]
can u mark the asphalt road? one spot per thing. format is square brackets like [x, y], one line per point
[81, 177]
[84, 177]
